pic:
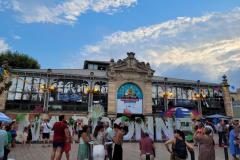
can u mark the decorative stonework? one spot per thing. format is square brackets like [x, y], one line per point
[227, 97]
[130, 70]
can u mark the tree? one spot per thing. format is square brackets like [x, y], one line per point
[18, 60]
[9, 59]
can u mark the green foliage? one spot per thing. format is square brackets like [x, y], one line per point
[20, 117]
[18, 60]
[71, 121]
[125, 119]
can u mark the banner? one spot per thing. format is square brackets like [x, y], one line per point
[129, 99]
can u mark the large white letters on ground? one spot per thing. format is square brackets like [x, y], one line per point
[36, 129]
[138, 128]
[20, 129]
[130, 133]
[161, 127]
[184, 124]
[169, 124]
[149, 126]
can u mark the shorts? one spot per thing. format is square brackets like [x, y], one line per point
[67, 147]
[58, 144]
[45, 135]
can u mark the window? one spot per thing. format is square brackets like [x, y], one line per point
[13, 86]
[11, 96]
[20, 84]
[93, 66]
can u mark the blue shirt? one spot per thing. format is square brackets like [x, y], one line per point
[234, 149]
[3, 141]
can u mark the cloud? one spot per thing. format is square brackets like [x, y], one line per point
[17, 37]
[3, 45]
[203, 47]
[65, 11]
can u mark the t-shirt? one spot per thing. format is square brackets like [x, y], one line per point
[146, 145]
[46, 127]
[3, 141]
[59, 134]
[110, 133]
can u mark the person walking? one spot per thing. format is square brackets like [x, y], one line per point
[146, 146]
[13, 132]
[118, 140]
[60, 136]
[29, 137]
[109, 135]
[206, 145]
[179, 146]
[83, 148]
[25, 135]
[222, 128]
[67, 145]
[234, 141]
[46, 130]
[79, 128]
[3, 141]
[7, 148]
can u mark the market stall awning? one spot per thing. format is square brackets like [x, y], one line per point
[219, 116]
[4, 118]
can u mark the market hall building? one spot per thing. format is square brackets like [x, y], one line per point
[125, 86]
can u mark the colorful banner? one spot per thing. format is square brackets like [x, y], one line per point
[129, 99]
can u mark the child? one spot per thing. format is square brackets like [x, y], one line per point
[67, 145]
[25, 135]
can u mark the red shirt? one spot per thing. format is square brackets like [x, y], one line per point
[146, 145]
[59, 134]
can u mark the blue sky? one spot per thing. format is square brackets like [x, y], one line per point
[192, 39]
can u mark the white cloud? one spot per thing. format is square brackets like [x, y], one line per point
[205, 47]
[17, 37]
[66, 11]
[3, 45]
[110, 5]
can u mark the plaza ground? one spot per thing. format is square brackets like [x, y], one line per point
[130, 152]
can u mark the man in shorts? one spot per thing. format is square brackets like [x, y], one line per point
[60, 136]
[46, 128]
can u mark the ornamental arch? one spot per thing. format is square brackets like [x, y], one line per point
[129, 71]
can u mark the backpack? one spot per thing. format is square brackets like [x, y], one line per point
[180, 149]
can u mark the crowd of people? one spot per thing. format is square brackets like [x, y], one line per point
[8, 135]
[106, 142]
[98, 144]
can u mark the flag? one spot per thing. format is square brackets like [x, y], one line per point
[233, 87]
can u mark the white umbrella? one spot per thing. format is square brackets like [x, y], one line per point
[4, 118]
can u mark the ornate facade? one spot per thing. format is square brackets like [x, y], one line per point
[75, 91]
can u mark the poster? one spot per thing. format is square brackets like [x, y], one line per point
[129, 99]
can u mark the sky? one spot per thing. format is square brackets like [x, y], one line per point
[187, 39]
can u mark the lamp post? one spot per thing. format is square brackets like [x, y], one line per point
[166, 95]
[90, 91]
[199, 96]
[46, 88]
